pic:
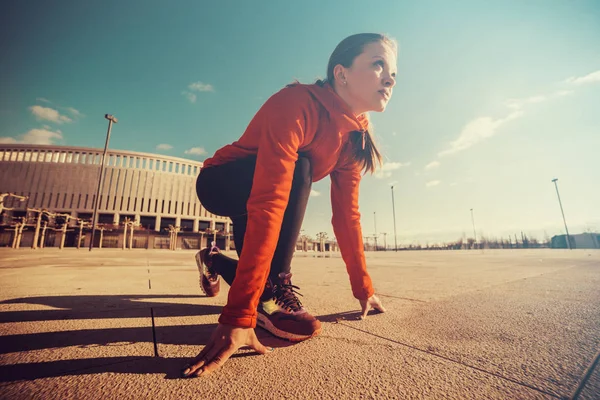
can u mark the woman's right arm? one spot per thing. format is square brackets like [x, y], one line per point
[281, 124]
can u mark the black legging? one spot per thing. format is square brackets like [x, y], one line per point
[224, 190]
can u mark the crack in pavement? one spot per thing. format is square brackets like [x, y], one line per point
[586, 376]
[454, 361]
[401, 298]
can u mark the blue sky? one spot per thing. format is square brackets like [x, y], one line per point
[493, 99]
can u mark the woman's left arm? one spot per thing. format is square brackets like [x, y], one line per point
[345, 185]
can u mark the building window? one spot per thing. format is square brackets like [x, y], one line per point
[187, 225]
[104, 218]
[148, 222]
[165, 222]
[204, 225]
[62, 158]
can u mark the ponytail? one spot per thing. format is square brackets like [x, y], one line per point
[364, 151]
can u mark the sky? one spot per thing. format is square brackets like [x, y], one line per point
[493, 99]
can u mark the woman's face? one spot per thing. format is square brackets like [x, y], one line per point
[370, 79]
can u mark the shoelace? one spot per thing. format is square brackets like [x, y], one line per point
[211, 274]
[285, 295]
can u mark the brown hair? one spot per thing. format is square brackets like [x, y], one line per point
[364, 150]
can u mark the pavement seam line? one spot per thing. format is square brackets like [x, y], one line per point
[149, 282]
[401, 298]
[454, 361]
[586, 376]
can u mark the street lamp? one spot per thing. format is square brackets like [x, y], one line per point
[562, 212]
[394, 213]
[474, 232]
[375, 221]
[110, 119]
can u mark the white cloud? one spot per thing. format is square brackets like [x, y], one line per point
[35, 136]
[582, 80]
[386, 170]
[563, 93]
[432, 183]
[201, 87]
[190, 96]
[197, 151]
[314, 193]
[485, 127]
[43, 100]
[75, 112]
[49, 114]
[164, 146]
[432, 165]
[197, 87]
[477, 130]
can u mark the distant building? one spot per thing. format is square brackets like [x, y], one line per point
[153, 190]
[580, 241]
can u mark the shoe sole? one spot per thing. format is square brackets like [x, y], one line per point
[264, 322]
[200, 265]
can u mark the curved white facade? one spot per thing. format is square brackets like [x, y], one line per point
[154, 190]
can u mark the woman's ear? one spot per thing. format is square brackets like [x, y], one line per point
[339, 73]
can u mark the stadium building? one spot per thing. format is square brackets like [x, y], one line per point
[55, 188]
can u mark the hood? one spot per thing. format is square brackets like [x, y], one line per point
[338, 108]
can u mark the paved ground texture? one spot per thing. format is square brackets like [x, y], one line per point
[460, 325]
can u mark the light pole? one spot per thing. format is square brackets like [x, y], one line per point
[110, 119]
[394, 213]
[375, 221]
[562, 212]
[474, 232]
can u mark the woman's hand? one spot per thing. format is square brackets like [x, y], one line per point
[224, 341]
[371, 302]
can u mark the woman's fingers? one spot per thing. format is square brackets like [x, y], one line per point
[217, 361]
[198, 361]
[254, 343]
[365, 308]
[225, 341]
[371, 302]
[379, 306]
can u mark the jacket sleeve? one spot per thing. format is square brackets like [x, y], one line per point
[281, 122]
[345, 182]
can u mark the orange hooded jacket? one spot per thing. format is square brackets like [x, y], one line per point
[315, 121]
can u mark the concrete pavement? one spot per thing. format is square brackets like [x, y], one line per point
[522, 324]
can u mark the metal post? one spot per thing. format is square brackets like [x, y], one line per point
[474, 232]
[562, 212]
[394, 212]
[110, 119]
[375, 221]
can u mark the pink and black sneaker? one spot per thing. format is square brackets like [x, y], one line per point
[281, 313]
[210, 281]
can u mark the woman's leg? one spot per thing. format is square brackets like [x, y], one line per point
[225, 189]
[292, 219]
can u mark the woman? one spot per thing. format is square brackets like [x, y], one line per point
[262, 182]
